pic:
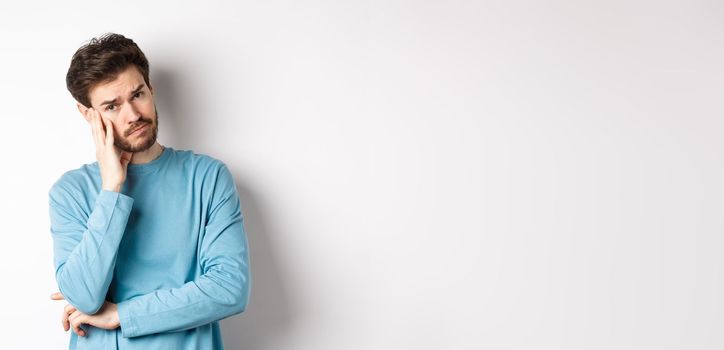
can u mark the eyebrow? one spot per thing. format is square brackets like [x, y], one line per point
[135, 91]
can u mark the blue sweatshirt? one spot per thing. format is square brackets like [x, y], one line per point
[170, 249]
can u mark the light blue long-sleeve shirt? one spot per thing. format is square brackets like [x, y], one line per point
[170, 249]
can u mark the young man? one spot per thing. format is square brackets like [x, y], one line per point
[149, 244]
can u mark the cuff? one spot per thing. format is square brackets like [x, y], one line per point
[114, 199]
[128, 327]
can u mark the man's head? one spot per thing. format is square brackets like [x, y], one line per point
[110, 75]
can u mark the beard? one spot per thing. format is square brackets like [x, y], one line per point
[125, 145]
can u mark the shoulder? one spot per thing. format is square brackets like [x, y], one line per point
[76, 181]
[199, 164]
[76, 188]
[198, 161]
[209, 174]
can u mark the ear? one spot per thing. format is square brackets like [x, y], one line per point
[83, 111]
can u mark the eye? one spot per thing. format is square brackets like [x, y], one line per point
[138, 94]
[111, 108]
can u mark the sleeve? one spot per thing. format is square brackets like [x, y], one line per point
[222, 289]
[85, 245]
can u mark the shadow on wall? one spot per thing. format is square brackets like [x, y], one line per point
[175, 114]
[268, 314]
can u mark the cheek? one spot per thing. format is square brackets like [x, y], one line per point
[148, 109]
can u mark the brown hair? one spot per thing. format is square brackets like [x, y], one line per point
[101, 60]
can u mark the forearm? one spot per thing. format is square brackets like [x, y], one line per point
[84, 271]
[211, 297]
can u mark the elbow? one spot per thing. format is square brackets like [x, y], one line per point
[240, 306]
[82, 301]
[238, 297]
[228, 288]
[89, 307]
[80, 296]
[240, 300]
[236, 309]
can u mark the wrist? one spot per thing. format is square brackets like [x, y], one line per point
[112, 188]
[116, 318]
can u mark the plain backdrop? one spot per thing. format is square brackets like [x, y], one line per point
[414, 174]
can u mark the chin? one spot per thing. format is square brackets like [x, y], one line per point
[147, 140]
[138, 146]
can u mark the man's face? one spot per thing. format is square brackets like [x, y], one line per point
[128, 103]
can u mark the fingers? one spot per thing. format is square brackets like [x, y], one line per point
[57, 296]
[67, 311]
[76, 319]
[109, 131]
[96, 127]
[89, 116]
[102, 128]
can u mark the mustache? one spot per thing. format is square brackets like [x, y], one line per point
[141, 122]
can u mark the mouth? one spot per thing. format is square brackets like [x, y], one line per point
[138, 130]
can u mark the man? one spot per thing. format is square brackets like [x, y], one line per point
[149, 244]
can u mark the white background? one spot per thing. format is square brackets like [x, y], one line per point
[414, 174]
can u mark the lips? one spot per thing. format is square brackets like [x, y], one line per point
[141, 128]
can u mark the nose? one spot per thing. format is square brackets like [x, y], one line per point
[132, 114]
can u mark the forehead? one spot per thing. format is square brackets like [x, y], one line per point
[120, 87]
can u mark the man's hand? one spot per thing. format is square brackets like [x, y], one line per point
[106, 317]
[112, 161]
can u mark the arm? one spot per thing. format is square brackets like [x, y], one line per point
[86, 244]
[85, 250]
[222, 289]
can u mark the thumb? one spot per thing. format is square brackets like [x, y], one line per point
[57, 296]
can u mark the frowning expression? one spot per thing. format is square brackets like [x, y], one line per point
[127, 101]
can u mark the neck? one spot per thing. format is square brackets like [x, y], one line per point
[148, 155]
